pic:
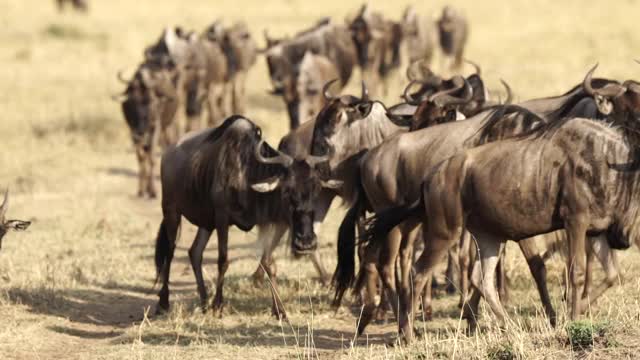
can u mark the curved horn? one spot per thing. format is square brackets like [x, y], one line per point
[5, 204]
[507, 88]
[282, 159]
[407, 97]
[315, 160]
[325, 90]
[122, 79]
[365, 92]
[609, 90]
[443, 98]
[475, 66]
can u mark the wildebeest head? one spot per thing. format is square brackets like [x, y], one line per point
[621, 102]
[441, 106]
[243, 46]
[6, 225]
[299, 184]
[144, 96]
[363, 32]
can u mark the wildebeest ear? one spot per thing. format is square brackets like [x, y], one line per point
[268, 185]
[605, 106]
[332, 184]
[17, 225]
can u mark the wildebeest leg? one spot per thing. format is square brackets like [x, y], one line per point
[576, 233]
[453, 270]
[502, 277]
[150, 187]
[539, 273]
[387, 266]
[470, 309]
[317, 264]
[490, 248]
[320, 212]
[167, 238]
[142, 170]
[238, 104]
[371, 289]
[464, 261]
[222, 227]
[270, 237]
[609, 260]
[195, 255]
[435, 246]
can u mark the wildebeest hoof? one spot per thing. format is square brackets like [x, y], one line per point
[279, 315]
[162, 309]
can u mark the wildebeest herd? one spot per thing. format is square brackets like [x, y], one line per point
[432, 167]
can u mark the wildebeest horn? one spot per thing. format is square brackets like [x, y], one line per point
[122, 79]
[281, 159]
[407, 97]
[609, 90]
[632, 85]
[507, 88]
[443, 98]
[475, 66]
[315, 160]
[325, 90]
[5, 204]
[365, 92]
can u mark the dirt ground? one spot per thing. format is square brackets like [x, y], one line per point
[78, 283]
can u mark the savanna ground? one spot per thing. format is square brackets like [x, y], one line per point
[79, 283]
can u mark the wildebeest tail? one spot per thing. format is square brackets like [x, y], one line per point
[379, 226]
[344, 275]
[163, 250]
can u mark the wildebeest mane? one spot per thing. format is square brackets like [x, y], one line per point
[498, 115]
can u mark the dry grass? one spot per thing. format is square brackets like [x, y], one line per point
[78, 283]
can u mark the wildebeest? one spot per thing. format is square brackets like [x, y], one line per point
[378, 42]
[241, 53]
[420, 36]
[584, 180]
[80, 5]
[574, 102]
[431, 83]
[347, 124]
[453, 31]
[149, 104]
[284, 58]
[7, 225]
[315, 71]
[395, 169]
[203, 73]
[227, 176]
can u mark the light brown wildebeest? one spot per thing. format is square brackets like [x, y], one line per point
[7, 225]
[420, 36]
[227, 176]
[284, 58]
[453, 32]
[378, 42]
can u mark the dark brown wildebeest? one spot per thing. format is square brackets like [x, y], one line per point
[349, 125]
[607, 92]
[227, 176]
[393, 171]
[453, 31]
[149, 103]
[431, 83]
[584, 180]
[7, 225]
[284, 58]
[80, 5]
[241, 53]
[420, 35]
[378, 42]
